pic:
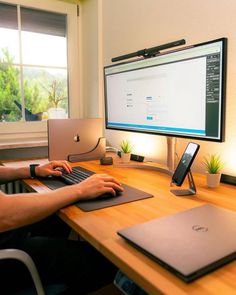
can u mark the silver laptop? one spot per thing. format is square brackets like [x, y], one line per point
[75, 139]
[190, 243]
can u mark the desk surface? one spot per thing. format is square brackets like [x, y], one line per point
[99, 228]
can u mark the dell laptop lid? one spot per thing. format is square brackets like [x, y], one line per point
[190, 243]
[75, 139]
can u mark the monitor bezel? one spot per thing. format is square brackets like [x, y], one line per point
[170, 134]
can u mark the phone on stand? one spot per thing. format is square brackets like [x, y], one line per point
[183, 169]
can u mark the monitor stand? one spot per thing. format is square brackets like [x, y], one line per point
[186, 192]
[169, 169]
[171, 143]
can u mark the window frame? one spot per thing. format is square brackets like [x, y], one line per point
[12, 130]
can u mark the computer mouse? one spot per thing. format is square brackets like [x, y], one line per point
[110, 196]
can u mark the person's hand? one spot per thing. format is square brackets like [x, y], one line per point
[97, 185]
[49, 169]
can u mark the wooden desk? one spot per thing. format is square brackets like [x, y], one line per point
[100, 227]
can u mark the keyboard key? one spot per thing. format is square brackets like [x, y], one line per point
[77, 175]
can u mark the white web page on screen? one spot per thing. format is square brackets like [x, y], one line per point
[164, 97]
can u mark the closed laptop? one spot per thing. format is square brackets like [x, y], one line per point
[189, 243]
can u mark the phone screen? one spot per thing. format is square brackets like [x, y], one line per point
[185, 163]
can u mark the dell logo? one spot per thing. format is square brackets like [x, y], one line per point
[76, 138]
[199, 228]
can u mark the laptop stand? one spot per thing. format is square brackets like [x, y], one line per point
[96, 153]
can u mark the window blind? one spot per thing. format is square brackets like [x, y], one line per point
[33, 20]
[43, 22]
[8, 16]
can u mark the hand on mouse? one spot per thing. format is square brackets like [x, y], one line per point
[96, 185]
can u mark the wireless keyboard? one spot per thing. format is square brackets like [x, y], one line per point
[77, 175]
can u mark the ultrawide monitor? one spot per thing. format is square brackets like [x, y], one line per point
[180, 93]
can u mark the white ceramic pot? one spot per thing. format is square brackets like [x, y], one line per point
[125, 157]
[213, 180]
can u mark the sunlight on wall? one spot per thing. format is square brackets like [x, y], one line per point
[145, 145]
[71, 1]
[230, 160]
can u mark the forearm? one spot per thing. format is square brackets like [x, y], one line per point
[10, 174]
[22, 209]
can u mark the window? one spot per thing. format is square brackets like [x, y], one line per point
[68, 70]
[33, 64]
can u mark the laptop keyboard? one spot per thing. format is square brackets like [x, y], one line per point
[77, 175]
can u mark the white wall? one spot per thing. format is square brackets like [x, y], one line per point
[89, 57]
[130, 25]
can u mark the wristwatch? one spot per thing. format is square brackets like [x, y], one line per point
[32, 170]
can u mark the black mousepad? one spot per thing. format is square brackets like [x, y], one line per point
[130, 194]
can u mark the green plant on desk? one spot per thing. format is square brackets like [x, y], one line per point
[213, 165]
[126, 146]
[126, 149]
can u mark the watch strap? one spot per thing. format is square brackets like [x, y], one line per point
[32, 170]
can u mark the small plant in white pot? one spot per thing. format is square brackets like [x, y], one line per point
[213, 165]
[126, 149]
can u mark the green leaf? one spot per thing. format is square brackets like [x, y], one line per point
[213, 164]
[126, 146]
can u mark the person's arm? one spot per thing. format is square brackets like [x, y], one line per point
[11, 173]
[21, 209]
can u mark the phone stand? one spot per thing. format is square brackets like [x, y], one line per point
[186, 192]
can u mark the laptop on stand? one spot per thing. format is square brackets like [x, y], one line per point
[76, 139]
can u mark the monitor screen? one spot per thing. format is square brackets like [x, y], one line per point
[180, 93]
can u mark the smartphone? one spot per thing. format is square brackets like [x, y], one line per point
[185, 163]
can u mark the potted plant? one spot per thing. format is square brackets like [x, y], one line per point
[126, 149]
[213, 165]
